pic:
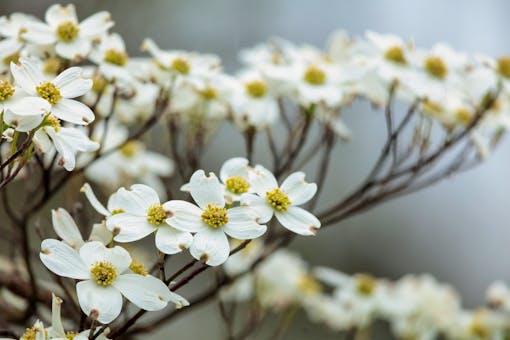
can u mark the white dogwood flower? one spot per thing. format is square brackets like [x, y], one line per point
[58, 92]
[104, 278]
[284, 201]
[140, 213]
[71, 38]
[211, 220]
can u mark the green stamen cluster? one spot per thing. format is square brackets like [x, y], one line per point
[314, 76]
[138, 268]
[104, 273]
[365, 284]
[6, 90]
[209, 93]
[256, 88]
[115, 57]
[503, 66]
[396, 55]
[278, 199]
[52, 121]
[156, 214]
[237, 185]
[181, 65]
[436, 67]
[47, 90]
[130, 149]
[215, 216]
[67, 31]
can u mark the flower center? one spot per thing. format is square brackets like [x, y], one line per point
[115, 57]
[432, 108]
[67, 31]
[138, 268]
[156, 214]
[130, 149]
[464, 116]
[209, 93]
[52, 121]
[98, 84]
[181, 65]
[278, 199]
[237, 185]
[13, 58]
[215, 216]
[104, 273]
[118, 211]
[314, 76]
[503, 66]
[30, 333]
[436, 67]
[6, 90]
[365, 284]
[47, 90]
[71, 335]
[256, 88]
[479, 329]
[308, 285]
[52, 66]
[396, 55]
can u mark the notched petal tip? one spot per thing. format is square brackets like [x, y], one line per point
[313, 230]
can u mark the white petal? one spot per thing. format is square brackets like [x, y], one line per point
[147, 292]
[57, 329]
[66, 228]
[299, 221]
[184, 216]
[206, 190]
[27, 75]
[39, 34]
[262, 180]
[145, 193]
[96, 24]
[211, 246]
[94, 202]
[101, 233]
[129, 228]
[42, 141]
[57, 14]
[94, 251]
[78, 48]
[63, 260]
[106, 301]
[237, 166]
[172, 241]
[242, 224]
[298, 189]
[22, 123]
[71, 83]
[73, 111]
[259, 205]
[27, 106]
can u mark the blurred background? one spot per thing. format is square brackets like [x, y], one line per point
[457, 230]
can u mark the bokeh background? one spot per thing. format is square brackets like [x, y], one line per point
[457, 230]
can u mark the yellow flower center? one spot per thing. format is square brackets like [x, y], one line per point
[118, 211]
[138, 268]
[6, 90]
[52, 121]
[14, 58]
[209, 93]
[156, 214]
[314, 76]
[130, 149]
[365, 284]
[47, 90]
[30, 333]
[215, 216]
[479, 329]
[503, 66]
[464, 116]
[309, 285]
[67, 31]
[278, 199]
[98, 84]
[52, 66]
[104, 273]
[71, 335]
[256, 88]
[432, 108]
[436, 67]
[181, 65]
[21, 31]
[396, 55]
[115, 57]
[237, 185]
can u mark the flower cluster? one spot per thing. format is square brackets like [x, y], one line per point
[415, 306]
